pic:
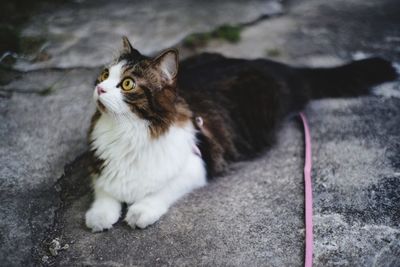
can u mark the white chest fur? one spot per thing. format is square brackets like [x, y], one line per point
[137, 165]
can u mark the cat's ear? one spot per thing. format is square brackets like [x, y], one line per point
[167, 65]
[127, 48]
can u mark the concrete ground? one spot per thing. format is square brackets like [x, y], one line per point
[251, 216]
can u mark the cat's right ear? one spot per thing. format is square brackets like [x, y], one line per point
[167, 65]
[127, 48]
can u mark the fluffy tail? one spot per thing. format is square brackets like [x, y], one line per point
[350, 80]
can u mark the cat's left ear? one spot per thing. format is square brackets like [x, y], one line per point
[167, 65]
[127, 48]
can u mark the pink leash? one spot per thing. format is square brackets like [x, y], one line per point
[308, 194]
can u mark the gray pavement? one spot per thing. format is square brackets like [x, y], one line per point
[254, 214]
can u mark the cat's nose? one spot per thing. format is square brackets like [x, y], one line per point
[100, 90]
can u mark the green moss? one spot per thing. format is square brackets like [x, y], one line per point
[225, 32]
[228, 33]
[30, 44]
[274, 52]
[197, 39]
[46, 91]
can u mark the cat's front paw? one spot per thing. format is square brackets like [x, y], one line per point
[144, 214]
[100, 219]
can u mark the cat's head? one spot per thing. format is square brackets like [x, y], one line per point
[139, 85]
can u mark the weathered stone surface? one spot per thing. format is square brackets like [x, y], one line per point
[39, 135]
[254, 214]
[321, 33]
[89, 33]
[356, 180]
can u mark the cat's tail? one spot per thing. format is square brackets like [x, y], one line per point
[350, 80]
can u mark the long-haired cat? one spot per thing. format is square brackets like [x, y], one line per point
[159, 131]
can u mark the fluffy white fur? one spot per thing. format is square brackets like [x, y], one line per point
[148, 174]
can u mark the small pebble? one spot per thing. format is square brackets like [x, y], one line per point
[45, 258]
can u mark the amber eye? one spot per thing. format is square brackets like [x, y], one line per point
[104, 75]
[128, 84]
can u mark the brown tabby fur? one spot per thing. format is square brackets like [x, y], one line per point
[241, 102]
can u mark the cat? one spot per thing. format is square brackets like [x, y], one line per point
[159, 133]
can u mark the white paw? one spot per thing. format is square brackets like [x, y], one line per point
[144, 214]
[101, 219]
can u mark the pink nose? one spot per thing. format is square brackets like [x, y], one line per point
[100, 90]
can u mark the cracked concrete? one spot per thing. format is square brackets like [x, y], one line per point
[254, 214]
